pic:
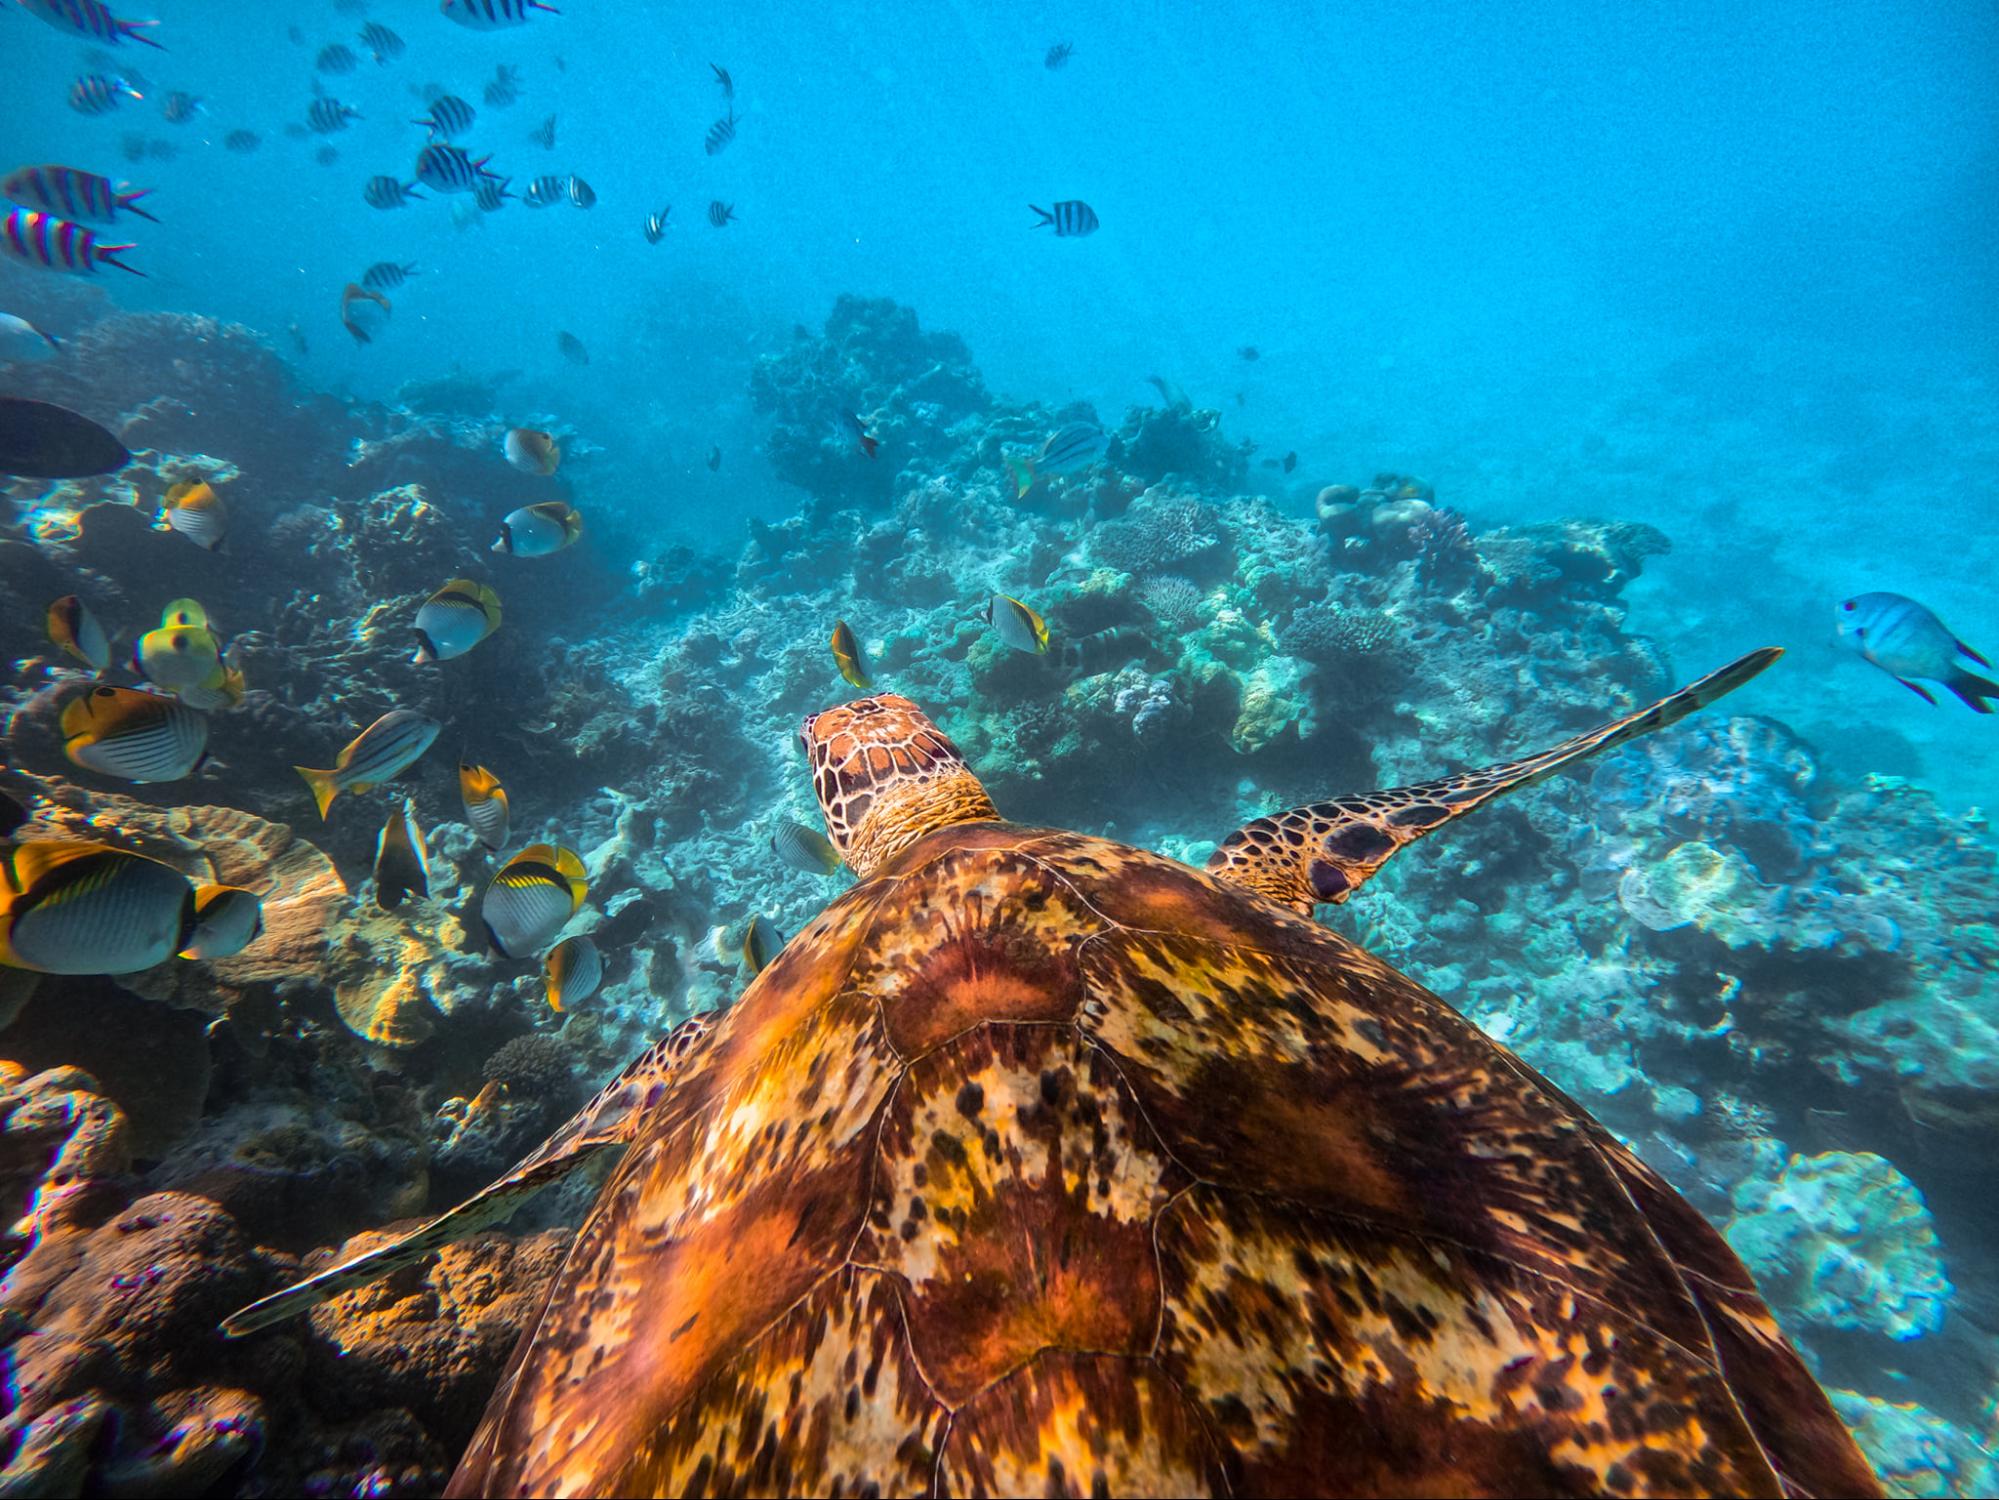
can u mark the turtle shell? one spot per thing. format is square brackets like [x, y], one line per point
[1042, 1164]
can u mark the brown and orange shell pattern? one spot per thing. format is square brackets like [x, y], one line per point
[1040, 1164]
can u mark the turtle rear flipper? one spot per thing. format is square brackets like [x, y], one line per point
[1324, 852]
[607, 1122]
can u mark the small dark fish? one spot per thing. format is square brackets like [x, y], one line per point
[544, 134]
[491, 193]
[94, 94]
[572, 348]
[714, 460]
[851, 424]
[356, 314]
[1088, 655]
[1290, 461]
[384, 274]
[581, 193]
[848, 658]
[1175, 398]
[91, 18]
[546, 190]
[336, 58]
[390, 192]
[1058, 56]
[72, 193]
[449, 169]
[326, 156]
[656, 224]
[161, 151]
[720, 133]
[242, 141]
[761, 943]
[503, 88]
[13, 814]
[491, 15]
[721, 214]
[179, 107]
[1072, 218]
[1250, 353]
[39, 440]
[298, 337]
[728, 84]
[58, 244]
[449, 118]
[382, 43]
[326, 115]
[402, 862]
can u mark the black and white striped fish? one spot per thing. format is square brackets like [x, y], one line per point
[381, 42]
[180, 107]
[720, 133]
[449, 118]
[384, 274]
[656, 224]
[490, 193]
[503, 88]
[336, 57]
[724, 81]
[133, 735]
[87, 908]
[721, 214]
[94, 94]
[58, 244]
[1071, 217]
[1087, 655]
[326, 115]
[543, 135]
[386, 748]
[390, 192]
[546, 190]
[72, 193]
[90, 18]
[530, 898]
[450, 169]
[491, 15]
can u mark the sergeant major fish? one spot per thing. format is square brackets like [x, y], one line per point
[450, 169]
[73, 193]
[449, 118]
[91, 18]
[94, 94]
[490, 15]
[54, 244]
[326, 115]
[1907, 641]
[384, 274]
[385, 749]
[1070, 218]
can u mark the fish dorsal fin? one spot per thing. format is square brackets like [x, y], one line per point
[1326, 851]
[608, 1122]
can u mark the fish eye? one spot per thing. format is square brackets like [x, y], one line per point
[1848, 606]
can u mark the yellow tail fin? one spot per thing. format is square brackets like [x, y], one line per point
[324, 787]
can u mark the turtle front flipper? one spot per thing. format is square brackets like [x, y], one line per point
[607, 1122]
[1325, 852]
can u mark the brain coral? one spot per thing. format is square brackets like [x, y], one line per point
[1845, 1241]
[1160, 535]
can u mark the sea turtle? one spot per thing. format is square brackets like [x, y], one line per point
[1040, 1163]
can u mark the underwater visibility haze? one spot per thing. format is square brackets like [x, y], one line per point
[1042, 749]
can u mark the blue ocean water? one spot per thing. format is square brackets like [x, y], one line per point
[1727, 272]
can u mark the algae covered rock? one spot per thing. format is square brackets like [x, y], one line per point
[1845, 1241]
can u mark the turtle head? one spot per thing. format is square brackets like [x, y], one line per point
[886, 776]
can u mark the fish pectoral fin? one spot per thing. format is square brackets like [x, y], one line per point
[1920, 691]
[609, 1121]
[1325, 851]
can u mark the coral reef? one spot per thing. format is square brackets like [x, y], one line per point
[1776, 982]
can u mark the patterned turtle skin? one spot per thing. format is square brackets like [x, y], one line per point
[1042, 1164]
